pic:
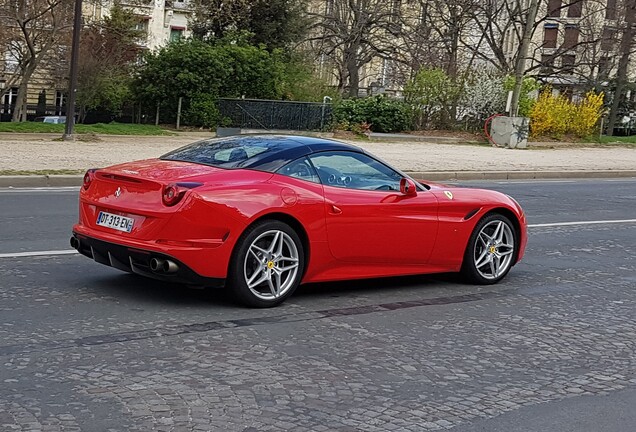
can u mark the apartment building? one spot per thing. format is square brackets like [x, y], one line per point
[162, 20]
[577, 44]
[574, 44]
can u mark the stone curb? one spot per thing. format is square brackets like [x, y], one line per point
[41, 180]
[520, 175]
[76, 180]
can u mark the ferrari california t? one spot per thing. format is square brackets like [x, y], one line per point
[261, 214]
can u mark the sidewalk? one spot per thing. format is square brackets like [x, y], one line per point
[423, 160]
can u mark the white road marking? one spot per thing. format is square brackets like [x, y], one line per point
[38, 253]
[596, 222]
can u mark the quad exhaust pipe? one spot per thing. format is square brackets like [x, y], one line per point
[159, 265]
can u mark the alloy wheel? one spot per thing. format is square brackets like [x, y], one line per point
[271, 265]
[494, 249]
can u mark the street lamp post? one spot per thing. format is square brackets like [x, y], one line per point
[72, 84]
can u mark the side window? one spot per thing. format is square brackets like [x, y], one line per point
[355, 171]
[301, 169]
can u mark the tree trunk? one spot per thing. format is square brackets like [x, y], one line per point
[19, 113]
[621, 75]
[520, 66]
[353, 71]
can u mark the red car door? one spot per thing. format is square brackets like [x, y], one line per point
[368, 218]
[373, 226]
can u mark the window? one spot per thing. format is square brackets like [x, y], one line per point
[8, 101]
[608, 40]
[567, 63]
[603, 68]
[554, 8]
[571, 39]
[630, 11]
[176, 33]
[60, 102]
[610, 10]
[329, 6]
[301, 169]
[11, 61]
[547, 64]
[223, 152]
[575, 9]
[142, 24]
[550, 33]
[355, 171]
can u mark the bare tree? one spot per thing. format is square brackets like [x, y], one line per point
[351, 33]
[33, 28]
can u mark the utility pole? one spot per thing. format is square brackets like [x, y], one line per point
[520, 65]
[72, 84]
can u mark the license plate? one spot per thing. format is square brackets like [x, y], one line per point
[114, 221]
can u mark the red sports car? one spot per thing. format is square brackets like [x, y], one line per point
[261, 214]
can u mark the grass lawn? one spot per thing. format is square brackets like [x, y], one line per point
[99, 128]
[618, 139]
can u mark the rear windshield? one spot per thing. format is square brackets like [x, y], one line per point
[229, 152]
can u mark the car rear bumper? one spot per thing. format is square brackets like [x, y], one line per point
[138, 260]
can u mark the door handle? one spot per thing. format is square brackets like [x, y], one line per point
[335, 210]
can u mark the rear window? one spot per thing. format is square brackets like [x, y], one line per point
[222, 152]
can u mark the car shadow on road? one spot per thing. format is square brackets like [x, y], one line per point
[378, 285]
[140, 289]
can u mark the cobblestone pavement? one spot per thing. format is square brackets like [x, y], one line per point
[83, 347]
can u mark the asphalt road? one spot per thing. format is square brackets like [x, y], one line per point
[553, 347]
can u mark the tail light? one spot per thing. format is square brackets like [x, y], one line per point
[173, 193]
[88, 178]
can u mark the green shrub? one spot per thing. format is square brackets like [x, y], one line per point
[202, 111]
[526, 99]
[432, 94]
[381, 113]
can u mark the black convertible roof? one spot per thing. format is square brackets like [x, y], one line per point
[262, 152]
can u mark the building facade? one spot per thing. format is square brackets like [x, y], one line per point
[161, 20]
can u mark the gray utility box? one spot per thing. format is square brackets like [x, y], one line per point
[510, 132]
[227, 131]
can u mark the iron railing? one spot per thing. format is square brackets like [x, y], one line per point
[273, 114]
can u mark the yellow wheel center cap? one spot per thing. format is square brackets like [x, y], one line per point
[493, 249]
[270, 264]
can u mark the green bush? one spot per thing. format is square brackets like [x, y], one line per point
[201, 72]
[202, 111]
[381, 113]
[526, 100]
[433, 96]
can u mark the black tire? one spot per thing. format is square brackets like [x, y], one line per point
[244, 264]
[483, 270]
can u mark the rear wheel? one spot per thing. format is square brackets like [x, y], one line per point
[267, 264]
[491, 250]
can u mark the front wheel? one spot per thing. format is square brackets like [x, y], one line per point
[267, 264]
[491, 250]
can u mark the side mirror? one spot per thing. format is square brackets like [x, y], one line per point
[407, 187]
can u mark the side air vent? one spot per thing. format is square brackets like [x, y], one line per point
[471, 214]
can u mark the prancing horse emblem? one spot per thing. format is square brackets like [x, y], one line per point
[118, 192]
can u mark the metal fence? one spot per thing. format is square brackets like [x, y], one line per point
[273, 114]
[33, 111]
